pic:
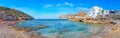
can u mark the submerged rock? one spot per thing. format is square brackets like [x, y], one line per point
[64, 31]
[27, 29]
[53, 31]
[81, 29]
[42, 26]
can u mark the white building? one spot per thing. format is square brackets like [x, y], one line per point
[95, 11]
[106, 12]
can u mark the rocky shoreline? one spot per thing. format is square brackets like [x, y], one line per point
[111, 24]
[7, 31]
[109, 31]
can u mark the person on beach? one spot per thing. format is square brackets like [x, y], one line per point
[14, 23]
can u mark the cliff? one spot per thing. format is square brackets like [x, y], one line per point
[7, 14]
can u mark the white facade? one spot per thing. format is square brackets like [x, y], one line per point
[106, 12]
[95, 11]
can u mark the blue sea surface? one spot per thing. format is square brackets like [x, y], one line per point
[61, 28]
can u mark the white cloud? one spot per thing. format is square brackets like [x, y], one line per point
[69, 4]
[58, 5]
[48, 5]
[83, 8]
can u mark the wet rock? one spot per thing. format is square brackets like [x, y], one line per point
[64, 31]
[41, 27]
[18, 29]
[34, 35]
[81, 29]
[52, 31]
[28, 29]
[113, 23]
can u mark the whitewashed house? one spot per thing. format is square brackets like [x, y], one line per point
[95, 11]
[106, 12]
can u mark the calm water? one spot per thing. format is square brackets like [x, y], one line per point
[56, 26]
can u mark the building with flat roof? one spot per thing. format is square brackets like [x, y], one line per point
[97, 11]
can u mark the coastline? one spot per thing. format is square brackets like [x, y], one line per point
[109, 31]
[11, 32]
[111, 28]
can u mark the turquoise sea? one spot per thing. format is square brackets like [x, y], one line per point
[55, 28]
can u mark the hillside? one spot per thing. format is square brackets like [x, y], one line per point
[12, 14]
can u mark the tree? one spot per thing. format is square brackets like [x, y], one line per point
[102, 11]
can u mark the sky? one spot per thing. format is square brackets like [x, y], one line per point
[52, 9]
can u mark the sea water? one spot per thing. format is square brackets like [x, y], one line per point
[61, 28]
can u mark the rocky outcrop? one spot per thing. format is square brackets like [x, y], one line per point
[7, 14]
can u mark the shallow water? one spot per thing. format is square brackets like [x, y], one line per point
[55, 28]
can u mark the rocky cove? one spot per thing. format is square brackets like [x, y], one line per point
[74, 26]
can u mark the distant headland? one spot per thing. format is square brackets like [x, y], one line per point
[95, 15]
[8, 14]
